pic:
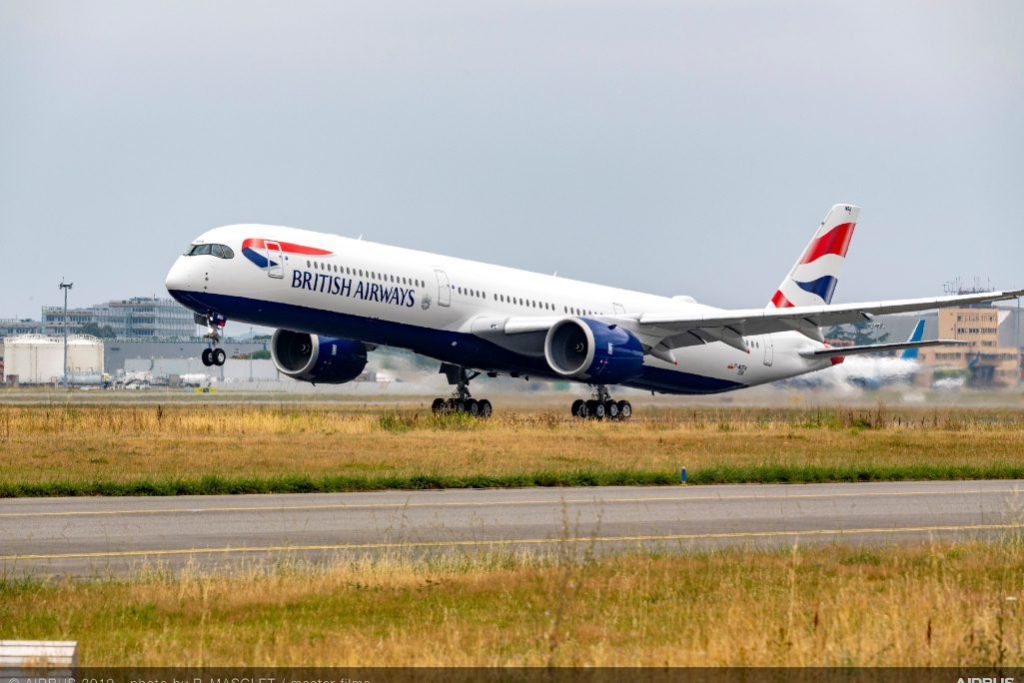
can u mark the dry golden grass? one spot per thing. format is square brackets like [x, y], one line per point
[40, 444]
[954, 605]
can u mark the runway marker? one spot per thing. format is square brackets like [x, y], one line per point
[497, 503]
[511, 541]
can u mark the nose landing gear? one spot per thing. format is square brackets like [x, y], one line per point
[214, 355]
[462, 402]
[602, 407]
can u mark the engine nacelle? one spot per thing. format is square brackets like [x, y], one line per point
[311, 358]
[594, 351]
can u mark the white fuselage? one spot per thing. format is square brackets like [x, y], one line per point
[446, 308]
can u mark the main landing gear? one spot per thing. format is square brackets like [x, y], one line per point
[214, 355]
[601, 407]
[462, 402]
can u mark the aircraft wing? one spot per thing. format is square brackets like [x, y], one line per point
[663, 331]
[730, 327]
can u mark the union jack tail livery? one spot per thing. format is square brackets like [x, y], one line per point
[813, 278]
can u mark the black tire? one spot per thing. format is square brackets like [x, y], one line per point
[486, 410]
[437, 406]
[583, 410]
[207, 357]
[451, 405]
[611, 409]
[219, 356]
[472, 406]
[625, 410]
[599, 410]
[576, 407]
[460, 406]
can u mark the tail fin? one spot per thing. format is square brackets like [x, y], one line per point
[915, 336]
[813, 279]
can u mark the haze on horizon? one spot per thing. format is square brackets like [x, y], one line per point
[677, 148]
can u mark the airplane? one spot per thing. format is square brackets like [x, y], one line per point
[333, 299]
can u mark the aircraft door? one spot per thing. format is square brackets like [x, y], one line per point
[769, 350]
[275, 260]
[619, 309]
[444, 288]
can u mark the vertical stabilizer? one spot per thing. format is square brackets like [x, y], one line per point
[915, 336]
[813, 279]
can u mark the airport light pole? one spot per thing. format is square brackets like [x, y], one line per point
[66, 286]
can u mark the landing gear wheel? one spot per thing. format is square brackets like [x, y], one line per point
[461, 401]
[212, 355]
[485, 408]
[576, 406]
[602, 406]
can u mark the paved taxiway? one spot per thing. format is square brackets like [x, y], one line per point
[99, 536]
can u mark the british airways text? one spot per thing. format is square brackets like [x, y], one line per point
[343, 286]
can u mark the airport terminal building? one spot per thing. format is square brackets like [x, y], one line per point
[146, 318]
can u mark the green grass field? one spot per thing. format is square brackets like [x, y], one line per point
[172, 449]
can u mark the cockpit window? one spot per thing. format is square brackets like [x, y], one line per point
[219, 250]
[222, 251]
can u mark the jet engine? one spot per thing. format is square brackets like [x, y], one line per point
[312, 358]
[593, 351]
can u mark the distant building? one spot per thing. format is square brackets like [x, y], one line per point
[12, 328]
[135, 318]
[987, 361]
[120, 354]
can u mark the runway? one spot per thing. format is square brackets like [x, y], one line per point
[111, 536]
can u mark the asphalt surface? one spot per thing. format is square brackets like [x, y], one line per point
[110, 536]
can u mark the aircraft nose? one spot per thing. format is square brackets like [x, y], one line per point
[177, 277]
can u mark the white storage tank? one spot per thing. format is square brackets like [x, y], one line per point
[85, 355]
[39, 359]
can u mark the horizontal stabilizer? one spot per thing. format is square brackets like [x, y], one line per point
[875, 348]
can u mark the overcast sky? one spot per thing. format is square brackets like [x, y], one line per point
[673, 147]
